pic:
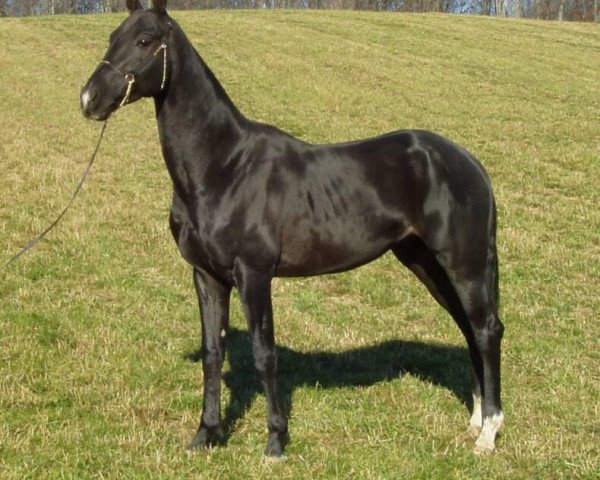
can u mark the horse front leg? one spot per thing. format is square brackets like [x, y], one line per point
[213, 298]
[255, 293]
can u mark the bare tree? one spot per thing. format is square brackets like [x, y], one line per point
[578, 10]
[518, 9]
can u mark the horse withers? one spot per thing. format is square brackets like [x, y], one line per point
[251, 202]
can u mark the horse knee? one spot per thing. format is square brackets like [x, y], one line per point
[495, 328]
[265, 361]
[489, 335]
[212, 364]
[212, 356]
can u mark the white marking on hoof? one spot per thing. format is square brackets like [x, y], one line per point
[483, 449]
[486, 441]
[223, 333]
[476, 421]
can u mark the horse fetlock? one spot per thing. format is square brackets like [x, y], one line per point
[476, 421]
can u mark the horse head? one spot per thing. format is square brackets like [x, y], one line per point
[135, 64]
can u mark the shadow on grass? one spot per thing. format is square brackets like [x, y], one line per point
[445, 366]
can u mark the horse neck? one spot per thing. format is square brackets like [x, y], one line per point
[198, 123]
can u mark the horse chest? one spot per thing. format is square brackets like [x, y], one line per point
[198, 244]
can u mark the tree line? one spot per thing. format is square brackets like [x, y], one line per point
[577, 10]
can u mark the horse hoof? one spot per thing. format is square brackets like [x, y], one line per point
[484, 448]
[203, 439]
[485, 443]
[270, 458]
[276, 446]
[274, 450]
[199, 442]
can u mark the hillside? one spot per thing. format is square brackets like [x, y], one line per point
[98, 322]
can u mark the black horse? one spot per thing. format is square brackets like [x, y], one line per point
[251, 202]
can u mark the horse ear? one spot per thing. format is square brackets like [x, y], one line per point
[160, 6]
[133, 5]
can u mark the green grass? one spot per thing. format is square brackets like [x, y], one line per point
[97, 324]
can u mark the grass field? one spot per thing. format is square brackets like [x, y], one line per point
[99, 325]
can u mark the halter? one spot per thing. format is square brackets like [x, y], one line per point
[130, 77]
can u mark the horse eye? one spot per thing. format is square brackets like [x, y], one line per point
[143, 42]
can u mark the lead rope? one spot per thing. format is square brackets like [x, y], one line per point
[86, 172]
[130, 77]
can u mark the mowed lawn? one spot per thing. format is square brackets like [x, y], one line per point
[99, 324]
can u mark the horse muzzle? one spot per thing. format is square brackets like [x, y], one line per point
[99, 98]
[93, 105]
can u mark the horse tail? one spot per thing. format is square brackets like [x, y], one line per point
[492, 271]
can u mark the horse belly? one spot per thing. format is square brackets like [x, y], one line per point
[309, 249]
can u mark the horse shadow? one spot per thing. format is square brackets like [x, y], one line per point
[441, 365]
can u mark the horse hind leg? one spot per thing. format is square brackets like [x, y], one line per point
[481, 306]
[419, 259]
[478, 295]
[476, 316]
